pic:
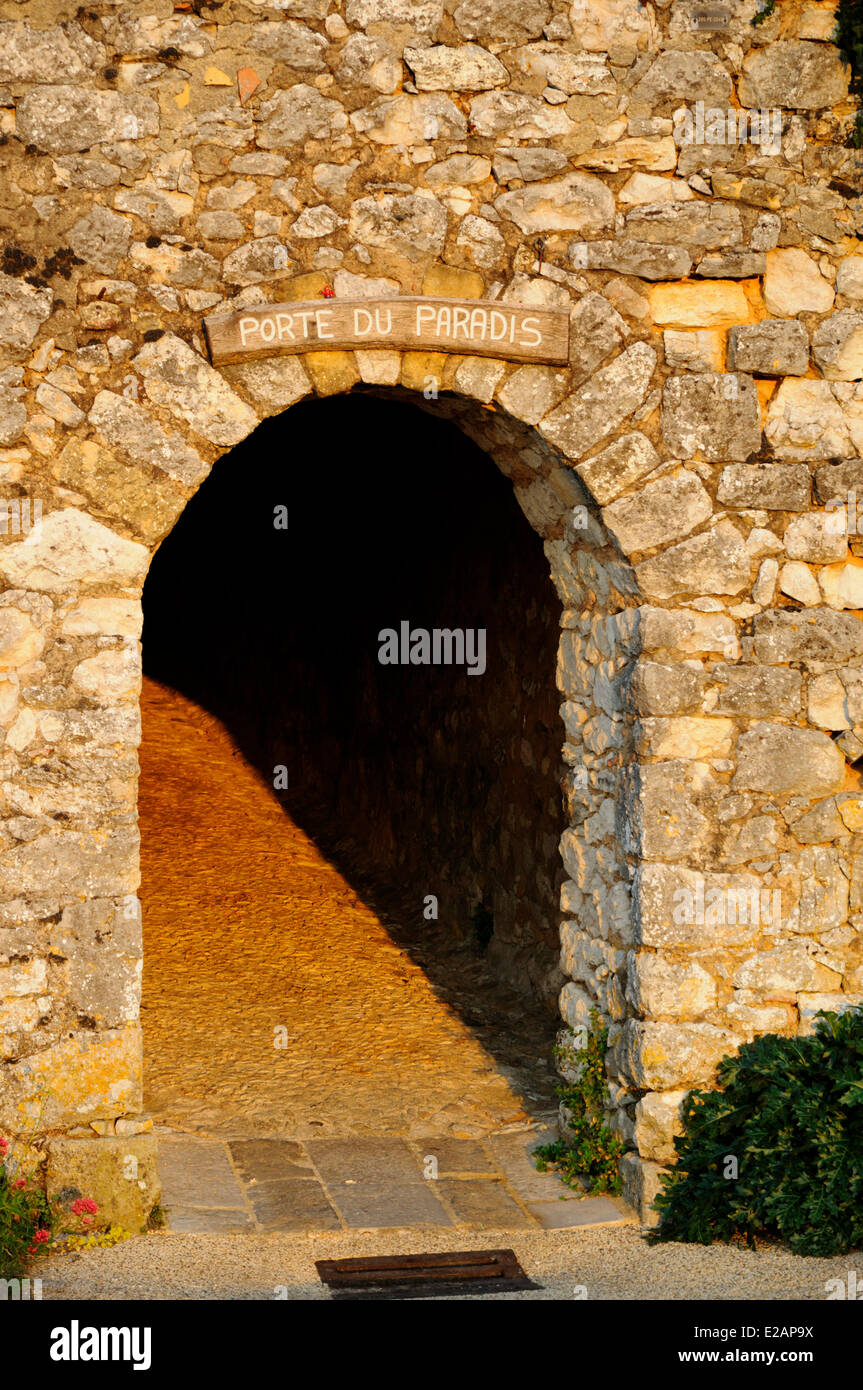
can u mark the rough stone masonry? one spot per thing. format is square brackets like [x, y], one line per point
[165, 161]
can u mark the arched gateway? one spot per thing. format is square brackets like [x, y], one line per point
[650, 323]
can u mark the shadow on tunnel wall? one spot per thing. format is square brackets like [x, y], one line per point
[415, 780]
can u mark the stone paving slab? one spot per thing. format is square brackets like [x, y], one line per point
[329, 1185]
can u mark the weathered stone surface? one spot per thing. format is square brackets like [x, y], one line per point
[468, 68]
[816, 538]
[657, 1123]
[842, 585]
[793, 284]
[849, 277]
[618, 467]
[528, 163]
[686, 223]
[603, 403]
[294, 44]
[715, 562]
[70, 547]
[837, 346]
[712, 415]
[699, 351]
[502, 21]
[643, 258]
[664, 989]
[676, 77]
[62, 119]
[714, 304]
[109, 677]
[23, 310]
[531, 392]
[687, 631]
[815, 636]
[781, 760]
[775, 487]
[273, 384]
[736, 264]
[757, 691]
[36, 55]
[676, 804]
[665, 1056]
[584, 74]
[806, 421]
[300, 113]
[785, 969]
[88, 1075]
[576, 203]
[410, 120]
[482, 240]
[632, 153]
[101, 239]
[176, 378]
[773, 347]
[661, 512]
[119, 1175]
[413, 225]
[800, 75]
[517, 116]
[798, 582]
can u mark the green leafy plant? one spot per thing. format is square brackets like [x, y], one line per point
[777, 1149]
[588, 1151]
[25, 1216]
[767, 8]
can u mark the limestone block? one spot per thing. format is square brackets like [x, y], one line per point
[617, 468]
[816, 538]
[577, 202]
[782, 487]
[63, 119]
[502, 21]
[118, 1174]
[412, 225]
[125, 425]
[468, 68]
[709, 225]
[23, 310]
[793, 284]
[603, 403]
[661, 512]
[699, 351]
[675, 807]
[676, 77]
[818, 635]
[773, 347]
[782, 760]
[674, 906]
[181, 381]
[642, 1184]
[837, 346]
[85, 1076]
[300, 113]
[715, 562]
[517, 117]
[795, 74]
[667, 1056]
[718, 304]
[647, 260]
[842, 585]
[782, 971]
[756, 691]
[657, 1123]
[664, 989]
[68, 548]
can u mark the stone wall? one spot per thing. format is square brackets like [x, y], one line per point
[164, 164]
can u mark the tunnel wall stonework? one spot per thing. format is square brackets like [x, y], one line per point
[711, 653]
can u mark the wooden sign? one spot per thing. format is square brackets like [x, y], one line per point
[472, 327]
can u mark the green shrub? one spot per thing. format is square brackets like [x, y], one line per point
[789, 1113]
[588, 1149]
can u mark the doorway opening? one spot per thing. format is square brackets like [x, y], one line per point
[350, 866]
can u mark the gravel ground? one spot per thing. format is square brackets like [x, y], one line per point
[610, 1262]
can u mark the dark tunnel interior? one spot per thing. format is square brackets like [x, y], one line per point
[416, 780]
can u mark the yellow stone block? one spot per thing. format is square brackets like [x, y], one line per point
[307, 286]
[851, 812]
[420, 369]
[88, 1076]
[449, 283]
[182, 98]
[332, 372]
[214, 77]
[699, 304]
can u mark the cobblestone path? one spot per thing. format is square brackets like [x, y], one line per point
[248, 930]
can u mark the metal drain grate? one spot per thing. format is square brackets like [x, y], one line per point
[424, 1276]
